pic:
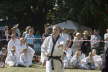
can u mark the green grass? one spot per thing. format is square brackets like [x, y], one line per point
[39, 68]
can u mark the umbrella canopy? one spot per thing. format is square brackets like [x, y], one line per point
[68, 25]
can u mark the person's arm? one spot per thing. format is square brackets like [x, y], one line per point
[44, 46]
[73, 59]
[31, 51]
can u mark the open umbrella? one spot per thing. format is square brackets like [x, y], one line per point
[68, 25]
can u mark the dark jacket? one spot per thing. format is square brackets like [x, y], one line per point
[105, 62]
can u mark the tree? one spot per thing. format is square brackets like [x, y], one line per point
[91, 13]
[39, 12]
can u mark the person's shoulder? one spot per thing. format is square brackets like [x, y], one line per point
[49, 37]
[105, 34]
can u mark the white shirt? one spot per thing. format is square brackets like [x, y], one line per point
[26, 58]
[48, 44]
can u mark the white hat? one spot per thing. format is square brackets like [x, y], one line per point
[77, 33]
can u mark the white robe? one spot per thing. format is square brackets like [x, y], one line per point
[11, 59]
[69, 53]
[96, 59]
[47, 48]
[15, 43]
[74, 62]
[44, 50]
[26, 58]
[66, 62]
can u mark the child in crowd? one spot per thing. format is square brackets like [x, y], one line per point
[3, 54]
[76, 59]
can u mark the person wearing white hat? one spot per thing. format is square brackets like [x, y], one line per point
[76, 43]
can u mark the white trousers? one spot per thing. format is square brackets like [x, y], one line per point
[58, 67]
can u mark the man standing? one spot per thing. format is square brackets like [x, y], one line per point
[53, 47]
[95, 41]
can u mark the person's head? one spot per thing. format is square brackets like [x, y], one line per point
[31, 31]
[4, 50]
[95, 32]
[78, 35]
[13, 36]
[86, 33]
[94, 52]
[13, 30]
[90, 54]
[27, 28]
[56, 30]
[22, 40]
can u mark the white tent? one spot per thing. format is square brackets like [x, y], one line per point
[71, 26]
[68, 25]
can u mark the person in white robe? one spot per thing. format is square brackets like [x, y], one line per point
[76, 42]
[26, 55]
[66, 61]
[97, 59]
[14, 42]
[68, 53]
[54, 56]
[11, 59]
[75, 61]
[88, 62]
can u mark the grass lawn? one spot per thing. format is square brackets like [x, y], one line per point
[38, 68]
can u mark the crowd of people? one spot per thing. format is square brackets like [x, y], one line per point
[60, 48]
[19, 49]
[83, 49]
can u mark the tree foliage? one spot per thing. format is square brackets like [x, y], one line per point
[91, 13]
